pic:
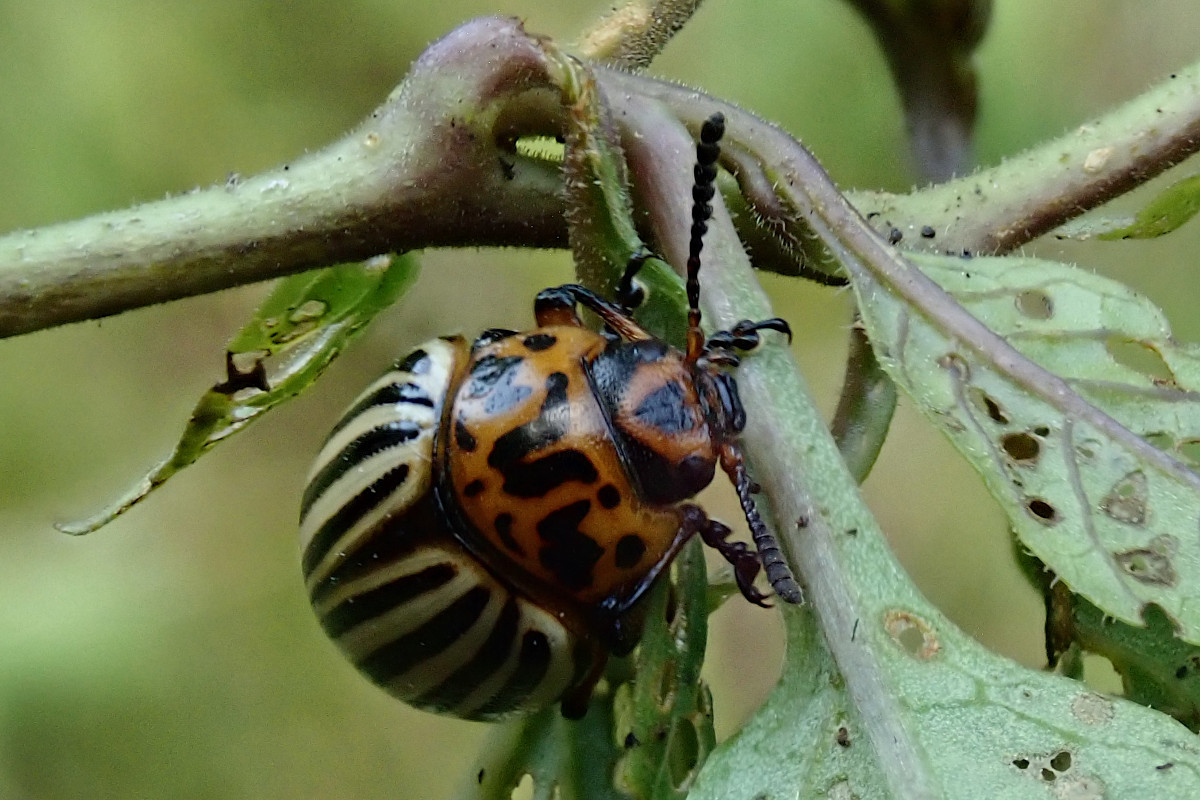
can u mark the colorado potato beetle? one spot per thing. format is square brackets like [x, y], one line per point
[480, 526]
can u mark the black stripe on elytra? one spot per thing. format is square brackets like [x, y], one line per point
[665, 410]
[532, 666]
[550, 425]
[345, 517]
[568, 553]
[388, 395]
[368, 605]
[492, 654]
[417, 362]
[365, 445]
[412, 393]
[439, 632]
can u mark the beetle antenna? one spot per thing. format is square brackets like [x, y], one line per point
[708, 149]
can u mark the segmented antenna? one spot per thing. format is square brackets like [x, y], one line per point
[708, 150]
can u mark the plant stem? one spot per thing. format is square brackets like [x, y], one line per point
[783, 430]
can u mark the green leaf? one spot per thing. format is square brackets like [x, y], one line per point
[664, 715]
[1165, 213]
[910, 706]
[1112, 515]
[302, 327]
[1156, 668]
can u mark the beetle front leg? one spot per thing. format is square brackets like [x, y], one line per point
[556, 306]
[744, 561]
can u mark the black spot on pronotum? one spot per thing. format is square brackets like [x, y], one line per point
[474, 488]
[463, 437]
[664, 409]
[568, 553]
[539, 341]
[1042, 510]
[417, 362]
[609, 496]
[1021, 446]
[629, 551]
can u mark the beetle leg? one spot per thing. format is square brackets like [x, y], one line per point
[744, 335]
[574, 703]
[556, 306]
[629, 296]
[745, 563]
[779, 574]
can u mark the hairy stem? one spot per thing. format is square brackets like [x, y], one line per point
[632, 35]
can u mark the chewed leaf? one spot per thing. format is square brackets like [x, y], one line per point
[293, 337]
[1156, 668]
[1115, 516]
[664, 715]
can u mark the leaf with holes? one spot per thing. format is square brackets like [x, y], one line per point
[302, 327]
[1070, 461]
[978, 725]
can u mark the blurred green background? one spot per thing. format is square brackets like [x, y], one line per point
[173, 654]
